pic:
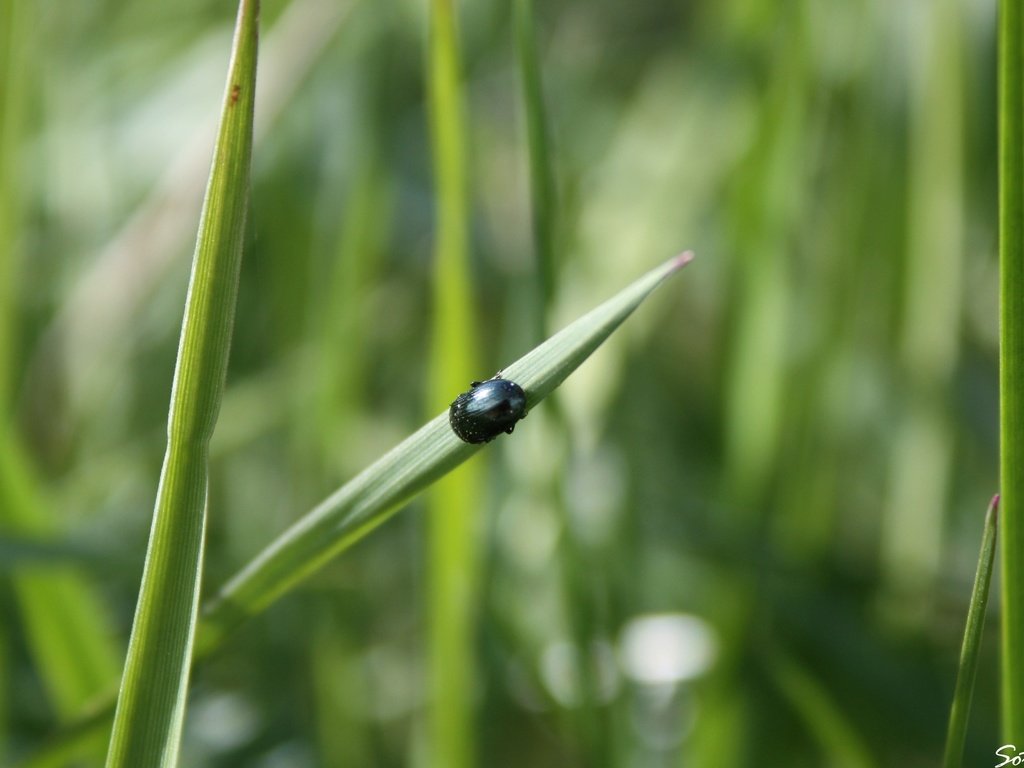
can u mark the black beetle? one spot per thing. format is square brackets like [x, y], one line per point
[488, 409]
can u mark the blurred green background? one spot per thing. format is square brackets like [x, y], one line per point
[743, 533]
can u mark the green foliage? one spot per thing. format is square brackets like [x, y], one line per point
[746, 526]
[62, 620]
[419, 461]
[151, 703]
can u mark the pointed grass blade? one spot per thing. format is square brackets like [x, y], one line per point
[379, 491]
[961, 707]
[430, 453]
[151, 703]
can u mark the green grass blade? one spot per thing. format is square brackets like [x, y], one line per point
[453, 540]
[428, 454]
[379, 491]
[1011, 358]
[969, 654]
[151, 704]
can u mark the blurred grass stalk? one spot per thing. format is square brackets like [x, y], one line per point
[336, 368]
[335, 371]
[14, 61]
[960, 710]
[454, 501]
[543, 196]
[151, 704]
[822, 715]
[592, 732]
[1011, 359]
[770, 192]
[929, 333]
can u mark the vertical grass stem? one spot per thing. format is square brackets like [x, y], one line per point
[1011, 359]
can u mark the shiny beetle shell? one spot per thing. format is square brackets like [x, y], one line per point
[488, 409]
